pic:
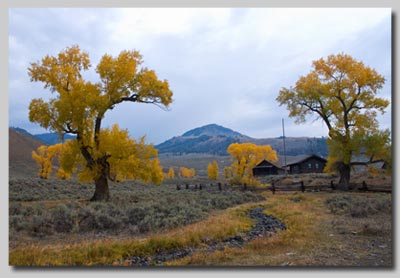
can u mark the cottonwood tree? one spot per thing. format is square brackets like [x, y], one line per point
[44, 156]
[171, 173]
[78, 106]
[245, 156]
[187, 172]
[212, 170]
[343, 93]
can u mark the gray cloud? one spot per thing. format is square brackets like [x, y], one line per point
[225, 66]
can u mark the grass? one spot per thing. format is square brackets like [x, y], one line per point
[134, 209]
[108, 252]
[323, 229]
[311, 238]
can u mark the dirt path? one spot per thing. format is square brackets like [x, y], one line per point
[266, 226]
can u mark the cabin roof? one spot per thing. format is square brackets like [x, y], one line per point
[300, 158]
[268, 164]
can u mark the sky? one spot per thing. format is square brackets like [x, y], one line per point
[224, 65]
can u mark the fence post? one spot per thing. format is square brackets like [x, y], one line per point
[178, 187]
[364, 186]
[302, 186]
[187, 186]
[195, 186]
[273, 188]
[332, 186]
[201, 186]
[245, 187]
[219, 186]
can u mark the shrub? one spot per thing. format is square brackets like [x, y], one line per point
[41, 226]
[359, 206]
[87, 219]
[135, 215]
[62, 219]
[17, 223]
[15, 209]
[106, 222]
[134, 208]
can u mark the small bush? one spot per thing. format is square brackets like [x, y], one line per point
[15, 209]
[134, 208]
[17, 223]
[41, 226]
[62, 218]
[87, 219]
[106, 222]
[135, 215]
[359, 206]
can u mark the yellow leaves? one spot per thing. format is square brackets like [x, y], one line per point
[78, 102]
[39, 111]
[78, 107]
[70, 157]
[342, 92]
[171, 173]
[44, 156]
[186, 172]
[212, 170]
[152, 90]
[118, 74]
[59, 73]
[337, 90]
[245, 156]
[128, 158]
[62, 174]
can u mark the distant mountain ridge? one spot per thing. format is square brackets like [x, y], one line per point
[215, 139]
[53, 138]
[46, 138]
[212, 130]
[20, 146]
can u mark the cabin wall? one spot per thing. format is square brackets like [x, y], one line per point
[311, 165]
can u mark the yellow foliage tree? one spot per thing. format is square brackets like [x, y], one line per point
[127, 158]
[61, 174]
[187, 172]
[212, 170]
[44, 156]
[171, 173]
[245, 156]
[41, 158]
[79, 106]
[227, 172]
[342, 93]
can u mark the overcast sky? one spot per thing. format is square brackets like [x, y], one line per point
[224, 66]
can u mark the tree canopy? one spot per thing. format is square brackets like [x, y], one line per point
[343, 93]
[245, 156]
[212, 170]
[79, 106]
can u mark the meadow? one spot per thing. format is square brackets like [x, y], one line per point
[52, 223]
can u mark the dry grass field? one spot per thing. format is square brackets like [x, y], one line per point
[53, 224]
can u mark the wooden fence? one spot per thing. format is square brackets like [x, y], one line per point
[297, 185]
[301, 186]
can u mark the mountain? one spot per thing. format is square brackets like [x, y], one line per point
[215, 139]
[212, 130]
[52, 138]
[209, 139]
[20, 146]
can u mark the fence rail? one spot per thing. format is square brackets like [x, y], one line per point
[300, 186]
[297, 185]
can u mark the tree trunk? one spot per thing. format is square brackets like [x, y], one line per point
[344, 181]
[101, 192]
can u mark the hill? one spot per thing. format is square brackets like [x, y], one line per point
[215, 139]
[212, 130]
[20, 146]
[52, 138]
